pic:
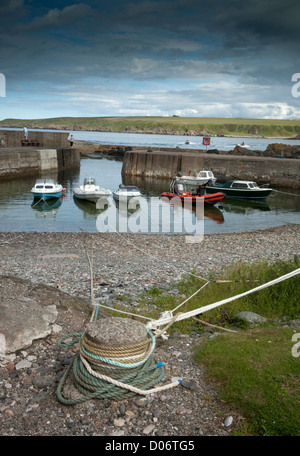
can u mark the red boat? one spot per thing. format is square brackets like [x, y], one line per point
[186, 196]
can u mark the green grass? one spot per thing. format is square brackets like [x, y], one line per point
[254, 370]
[256, 373]
[280, 300]
[167, 125]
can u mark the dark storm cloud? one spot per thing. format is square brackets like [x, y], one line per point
[56, 45]
[162, 31]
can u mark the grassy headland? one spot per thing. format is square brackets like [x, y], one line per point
[192, 126]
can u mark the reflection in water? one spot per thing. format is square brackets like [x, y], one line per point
[91, 210]
[244, 206]
[209, 212]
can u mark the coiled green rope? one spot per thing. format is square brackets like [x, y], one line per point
[141, 376]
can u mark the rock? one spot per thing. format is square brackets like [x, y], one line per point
[43, 382]
[295, 324]
[24, 364]
[189, 384]
[148, 429]
[119, 422]
[250, 317]
[228, 422]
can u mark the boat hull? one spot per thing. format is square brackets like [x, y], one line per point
[123, 197]
[246, 194]
[46, 196]
[207, 199]
[90, 196]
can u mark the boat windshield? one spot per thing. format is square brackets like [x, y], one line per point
[89, 181]
[239, 185]
[203, 174]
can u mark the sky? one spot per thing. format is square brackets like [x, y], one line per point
[192, 58]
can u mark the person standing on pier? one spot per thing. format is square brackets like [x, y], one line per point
[25, 133]
[71, 140]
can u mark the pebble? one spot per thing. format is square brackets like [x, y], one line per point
[228, 422]
[119, 422]
[23, 364]
[148, 429]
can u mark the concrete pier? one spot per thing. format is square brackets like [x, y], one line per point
[52, 152]
[47, 139]
[165, 164]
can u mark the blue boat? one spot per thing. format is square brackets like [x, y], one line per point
[45, 189]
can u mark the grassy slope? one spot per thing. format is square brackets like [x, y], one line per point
[167, 125]
[254, 370]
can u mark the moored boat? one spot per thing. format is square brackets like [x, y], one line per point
[45, 189]
[240, 189]
[191, 183]
[90, 191]
[193, 198]
[126, 192]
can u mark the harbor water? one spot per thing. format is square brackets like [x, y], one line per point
[68, 214]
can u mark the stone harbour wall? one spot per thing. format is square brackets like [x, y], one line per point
[26, 161]
[264, 170]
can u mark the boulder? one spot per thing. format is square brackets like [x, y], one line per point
[250, 317]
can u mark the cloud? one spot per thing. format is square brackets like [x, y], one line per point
[58, 18]
[11, 7]
[152, 56]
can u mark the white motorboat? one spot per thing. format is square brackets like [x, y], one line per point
[245, 146]
[45, 189]
[191, 183]
[126, 192]
[90, 191]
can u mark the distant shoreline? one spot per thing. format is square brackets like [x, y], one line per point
[181, 126]
[295, 138]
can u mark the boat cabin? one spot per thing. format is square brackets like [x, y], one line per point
[89, 181]
[128, 188]
[244, 185]
[45, 184]
[206, 175]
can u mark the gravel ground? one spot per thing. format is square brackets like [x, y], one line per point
[123, 266]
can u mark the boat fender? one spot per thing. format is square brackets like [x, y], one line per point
[64, 189]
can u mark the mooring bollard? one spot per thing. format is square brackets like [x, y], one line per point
[114, 361]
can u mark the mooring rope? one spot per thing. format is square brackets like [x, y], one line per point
[168, 316]
[114, 372]
[284, 193]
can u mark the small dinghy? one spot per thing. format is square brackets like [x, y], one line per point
[90, 191]
[126, 191]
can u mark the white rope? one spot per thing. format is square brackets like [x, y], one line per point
[125, 385]
[190, 297]
[167, 319]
